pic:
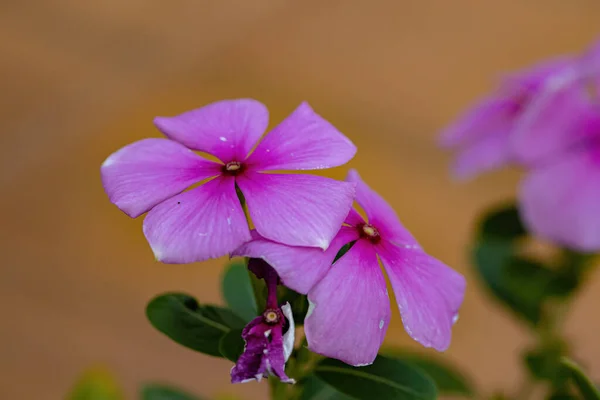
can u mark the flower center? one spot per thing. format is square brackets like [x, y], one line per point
[369, 232]
[271, 316]
[233, 168]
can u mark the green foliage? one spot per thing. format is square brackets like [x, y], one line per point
[448, 379]
[238, 291]
[157, 391]
[197, 327]
[298, 302]
[386, 379]
[314, 388]
[586, 388]
[96, 384]
[343, 250]
[231, 345]
[544, 363]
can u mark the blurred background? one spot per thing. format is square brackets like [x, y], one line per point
[81, 79]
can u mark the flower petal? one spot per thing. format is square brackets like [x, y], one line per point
[354, 218]
[227, 129]
[299, 268]
[297, 210]
[428, 293]
[487, 153]
[249, 365]
[559, 201]
[379, 212]
[202, 223]
[304, 140]
[349, 309]
[143, 174]
[489, 114]
[558, 119]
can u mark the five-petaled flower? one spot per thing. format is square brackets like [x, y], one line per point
[349, 303]
[208, 221]
[481, 137]
[560, 143]
[269, 338]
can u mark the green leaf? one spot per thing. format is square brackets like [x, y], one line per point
[502, 223]
[586, 387]
[96, 384]
[520, 284]
[298, 302]
[238, 292]
[384, 379]
[200, 328]
[157, 391]
[315, 389]
[343, 251]
[448, 380]
[232, 345]
[545, 363]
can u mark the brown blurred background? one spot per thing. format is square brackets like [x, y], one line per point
[80, 79]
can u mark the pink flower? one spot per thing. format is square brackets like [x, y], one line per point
[208, 221]
[560, 142]
[349, 303]
[481, 136]
[269, 338]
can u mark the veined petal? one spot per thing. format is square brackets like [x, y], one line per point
[297, 210]
[379, 212]
[299, 268]
[304, 140]
[143, 174]
[559, 201]
[227, 129]
[428, 293]
[558, 119]
[349, 309]
[202, 223]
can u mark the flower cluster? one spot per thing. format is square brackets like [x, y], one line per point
[301, 224]
[547, 120]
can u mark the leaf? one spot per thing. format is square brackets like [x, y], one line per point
[315, 389]
[582, 382]
[157, 391]
[502, 223]
[232, 345]
[448, 380]
[545, 363]
[238, 292]
[96, 384]
[182, 319]
[520, 284]
[298, 302]
[345, 248]
[384, 379]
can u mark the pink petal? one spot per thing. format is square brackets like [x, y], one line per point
[297, 210]
[379, 212]
[227, 129]
[428, 293]
[560, 201]
[144, 173]
[304, 140]
[534, 78]
[554, 122]
[349, 309]
[202, 223]
[354, 218]
[487, 153]
[489, 114]
[298, 267]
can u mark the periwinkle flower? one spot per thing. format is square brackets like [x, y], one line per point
[269, 338]
[208, 221]
[560, 142]
[481, 136]
[349, 303]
